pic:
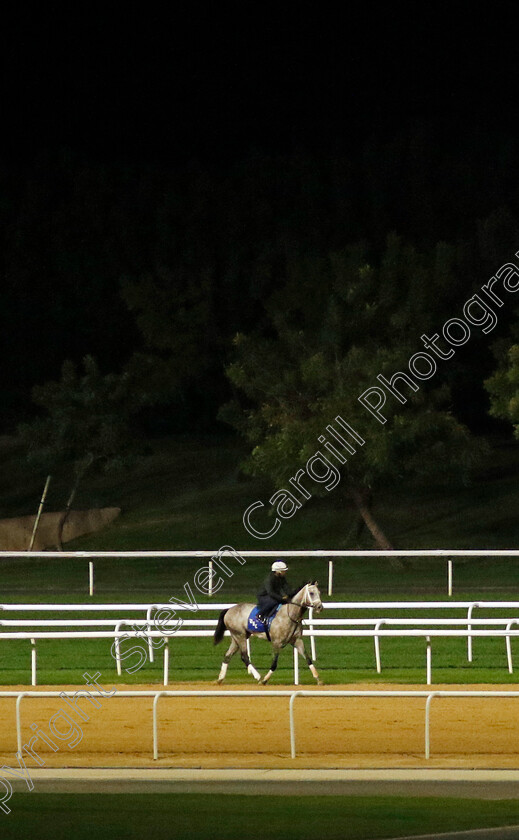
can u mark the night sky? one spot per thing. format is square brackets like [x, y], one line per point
[128, 97]
[225, 78]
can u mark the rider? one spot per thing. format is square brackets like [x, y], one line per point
[275, 590]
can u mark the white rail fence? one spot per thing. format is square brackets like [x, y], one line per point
[292, 695]
[309, 624]
[378, 623]
[433, 628]
[212, 556]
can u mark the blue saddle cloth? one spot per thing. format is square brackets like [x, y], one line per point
[255, 625]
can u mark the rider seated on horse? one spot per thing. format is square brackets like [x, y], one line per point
[275, 590]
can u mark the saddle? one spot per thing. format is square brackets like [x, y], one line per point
[256, 624]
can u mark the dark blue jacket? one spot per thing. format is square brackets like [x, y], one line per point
[275, 586]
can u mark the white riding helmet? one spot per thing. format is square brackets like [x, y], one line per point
[279, 566]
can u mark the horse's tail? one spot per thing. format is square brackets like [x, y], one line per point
[220, 628]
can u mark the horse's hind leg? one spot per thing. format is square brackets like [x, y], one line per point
[242, 643]
[300, 647]
[233, 647]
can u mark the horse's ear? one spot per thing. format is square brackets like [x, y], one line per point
[316, 582]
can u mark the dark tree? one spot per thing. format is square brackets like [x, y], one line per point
[85, 424]
[334, 326]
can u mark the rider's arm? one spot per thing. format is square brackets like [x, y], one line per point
[272, 590]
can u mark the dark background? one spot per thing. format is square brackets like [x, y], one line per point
[214, 82]
[385, 118]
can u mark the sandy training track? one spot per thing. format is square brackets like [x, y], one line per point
[214, 732]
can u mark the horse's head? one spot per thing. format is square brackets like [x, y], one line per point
[312, 596]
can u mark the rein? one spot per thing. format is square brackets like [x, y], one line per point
[302, 607]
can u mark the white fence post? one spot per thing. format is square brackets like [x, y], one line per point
[312, 637]
[155, 726]
[469, 637]
[429, 660]
[296, 667]
[166, 663]
[330, 577]
[151, 653]
[18, 720]
[428, 724]
[118, 647]
[509, 648]
[90, 577]
[449, 578]
[376, 639]
[292, 724]
[210, 583]
[33, 662]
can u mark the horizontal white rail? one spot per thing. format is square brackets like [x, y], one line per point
[112, 634]
[106, 622]
[227, 551]
[265, 694]
[210, 607]
[398, 621]
[212, 622]
[426, 605]
[411, 632]
[107, 634]
[115, 607]
[72, 622]
[321, 552]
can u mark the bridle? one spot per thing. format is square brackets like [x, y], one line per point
[306, 602]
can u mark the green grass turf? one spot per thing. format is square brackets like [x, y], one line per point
[229, 817]
[340, 660]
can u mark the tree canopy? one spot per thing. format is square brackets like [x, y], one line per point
[503, 385]
[336, 324]
[85, 424]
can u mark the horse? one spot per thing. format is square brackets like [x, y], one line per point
[286, 628]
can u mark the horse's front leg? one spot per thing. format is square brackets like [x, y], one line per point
[242, 642]
[233, 647]
[300, 647]
[273, 667]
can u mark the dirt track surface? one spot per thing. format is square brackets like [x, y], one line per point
[218, 732]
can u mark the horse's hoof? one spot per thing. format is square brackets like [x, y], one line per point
[320, 682]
